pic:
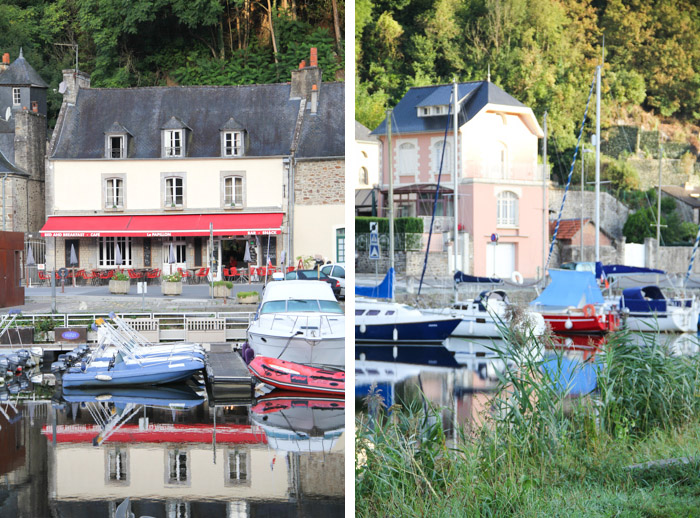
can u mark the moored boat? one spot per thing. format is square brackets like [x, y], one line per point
[296, 377]
[301, 322]
[647, 309]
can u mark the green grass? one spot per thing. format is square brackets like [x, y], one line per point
[534, 456]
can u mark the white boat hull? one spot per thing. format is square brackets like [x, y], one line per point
[675, 320]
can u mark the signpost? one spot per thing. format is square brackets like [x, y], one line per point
[374, 245]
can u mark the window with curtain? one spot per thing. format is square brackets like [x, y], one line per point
[447, 161]
[233, 143]
[173, 143]
[507, 209]
[174, 192]
[114, 193]
[408, 159]
[233, 191]
[107, 248]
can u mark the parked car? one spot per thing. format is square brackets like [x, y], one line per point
[337, 272]
[313, 275]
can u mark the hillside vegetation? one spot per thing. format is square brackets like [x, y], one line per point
[171, 42]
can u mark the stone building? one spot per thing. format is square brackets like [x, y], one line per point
[133, 171]
[22, 145]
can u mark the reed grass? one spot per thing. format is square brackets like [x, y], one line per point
[540, 452]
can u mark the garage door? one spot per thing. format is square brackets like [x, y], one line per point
[500, 260]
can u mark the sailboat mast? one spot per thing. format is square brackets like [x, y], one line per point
[544, 196]
[455, 175]
[390, 205]
[597, 162]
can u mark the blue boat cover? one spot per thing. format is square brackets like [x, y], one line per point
[647, 299]
[612, 269]
[385, 289]
[463, 277]
[570, 288]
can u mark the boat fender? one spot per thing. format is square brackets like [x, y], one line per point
[395, 335]
[103, 377]
[248, 355]
[395, 352]
[516, 277]
[568, 324]
[589, 310]
[363, 328]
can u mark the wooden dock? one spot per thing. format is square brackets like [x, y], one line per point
[228, 377]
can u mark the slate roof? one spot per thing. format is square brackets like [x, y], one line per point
[21, 73]
[362, 132]
[473, 97]
[690, 197]
[7, 167]
[265, 111]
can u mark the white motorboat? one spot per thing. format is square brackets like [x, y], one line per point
[647, 309]
[301, 322]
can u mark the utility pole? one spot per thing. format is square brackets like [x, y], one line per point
[390, 205]
[544, 196]
[455, 172]
[658, 202]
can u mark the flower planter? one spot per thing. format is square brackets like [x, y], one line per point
[220, 292]
[249, 299]
[119, 287]
[18, 335]
[171, 288]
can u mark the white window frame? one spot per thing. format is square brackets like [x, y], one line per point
[106, 251]
[507, 209]
[170, 195]
[174, 461]
[238, 466]
[232, 185]
[173, 143]
[114, 193]
[111, 149]
[407, 163]
[436, 155]
[117, 458]
[363, 177]
[233, 143]
[16, 96]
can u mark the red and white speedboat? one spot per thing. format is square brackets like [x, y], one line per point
[573, 303]
[294, 376]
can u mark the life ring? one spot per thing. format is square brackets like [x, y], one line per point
[516, 277]
[589, 310]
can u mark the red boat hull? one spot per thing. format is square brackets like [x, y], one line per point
[296, 377]
[277, 401]
[563, 323]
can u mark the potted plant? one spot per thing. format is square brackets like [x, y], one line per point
[248, 297]
[172, 284]
[221, 289]
[119, 283]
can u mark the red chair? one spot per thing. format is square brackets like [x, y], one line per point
[184, 274]
[105, 275]
[44, 277]
[134, 274]
[232, 273]
[201, 274]
[290, 269]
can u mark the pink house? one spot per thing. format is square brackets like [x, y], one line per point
[500, 183]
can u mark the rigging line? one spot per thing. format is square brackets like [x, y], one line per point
[437, 192]
[571, 172]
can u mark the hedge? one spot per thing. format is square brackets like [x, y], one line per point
[401, 225]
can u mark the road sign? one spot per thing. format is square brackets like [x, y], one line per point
[494, 238]
[373, 240]
[374, 251]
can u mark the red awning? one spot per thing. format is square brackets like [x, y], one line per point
[163, 225]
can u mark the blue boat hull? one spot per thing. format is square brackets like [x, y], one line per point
[430, 332]
[127, 375]
[436, 355]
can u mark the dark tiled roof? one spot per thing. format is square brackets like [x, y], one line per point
[323, 133]
[232, 124]
[265, 111]
[473, 97]
[21, 73]
[118, 128]
[7, 167]
[690, 197]
[174, 123]
[362, 132]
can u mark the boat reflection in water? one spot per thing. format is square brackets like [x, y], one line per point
[461, 384]
[169, 450]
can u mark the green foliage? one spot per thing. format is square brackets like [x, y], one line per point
[44, 324]
[642, 223]
[244, 294]
[622, 176]
[175, 277]
[401, 225]
[119, 276]
[228, 284]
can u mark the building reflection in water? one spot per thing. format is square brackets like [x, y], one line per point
[172, 457]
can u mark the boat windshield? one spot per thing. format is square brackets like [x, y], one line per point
[301, 306]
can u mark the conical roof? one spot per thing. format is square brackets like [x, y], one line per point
[21, 73]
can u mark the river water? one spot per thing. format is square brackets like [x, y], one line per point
[170, 451]
[460, 376]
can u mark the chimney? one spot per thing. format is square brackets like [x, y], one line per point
[5, 61]
[314, 98]
[306, 80]
[72, 82]
[35, 106]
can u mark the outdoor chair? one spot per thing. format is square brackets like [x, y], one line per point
[184, 274]
[151, 275]
[91, 277]
[232, 273]
[202, 274]
[105, 275]
[134, 274]
[44, 277]
[290, 269]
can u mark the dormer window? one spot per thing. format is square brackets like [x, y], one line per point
[431, 111]
[116, 141]
[233, 143]
[16, 97]
[173, 143]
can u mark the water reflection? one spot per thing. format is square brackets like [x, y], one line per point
[80, 453]
[461, 377]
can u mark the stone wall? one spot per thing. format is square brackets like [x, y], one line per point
[613, 214]
[319, 182]
[672, 172]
